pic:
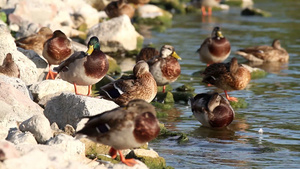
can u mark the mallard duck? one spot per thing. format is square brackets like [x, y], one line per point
[35, 41]
[212, 110]
[274, 53]
[205, 3]
[165, 67]
[140, 85]
[57, 49]
[146, 54]
[227, 76]
[9, 67]
[85, 68]
[125, 127]
[214, 49]
[118, 8]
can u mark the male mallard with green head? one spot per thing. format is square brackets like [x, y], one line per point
[214, 49]
[118, 8]
[124, 127]
[165, 67]
[140, 85]
[212, 110]
[57, 49]
[9, 67]
[227, 76]
[264, 53]
[85, 68]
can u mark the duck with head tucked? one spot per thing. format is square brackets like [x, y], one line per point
[57, 49]
[140, 85]
[9, 67]
[264, 53]
[214, 49]
[118, 8]
[85, 68]
[124, 127]
[212, 110]
[227, 76]
[165, 67]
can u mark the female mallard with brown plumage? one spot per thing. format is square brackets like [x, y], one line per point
[118, 8]
[140, 85]
[57, 49]
[146, 54]
[165, 67]
[227, 76]
[85, 68]
[9, 67]
[214, 49]
[274, 53]
[212, 110]
[35, 41]
[125, 127]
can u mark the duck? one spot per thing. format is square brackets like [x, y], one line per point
[118, 8]
[264, 53]
[212, 110]
[165, 67]
[214, 49]
[146, 54]
[57, 49]
[9, 67]
[205, 4]
[227, 76]
[85, 68]
[125, 127]
[139, 2]
[35, 41]
[139, 85]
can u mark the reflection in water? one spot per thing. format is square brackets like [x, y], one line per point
[270, 67]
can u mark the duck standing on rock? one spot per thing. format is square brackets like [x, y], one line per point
[140, 85]
[214, 49]
[9, 67]
[118, 8]
[212, 110]
[57, 49]
[264, 53]
[122, 128]
[165, 67]
[227, 76]
[85, 68]
[35, 41]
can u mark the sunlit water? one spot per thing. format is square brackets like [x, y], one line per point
[274, 101]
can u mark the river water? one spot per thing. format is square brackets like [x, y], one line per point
[273, 101]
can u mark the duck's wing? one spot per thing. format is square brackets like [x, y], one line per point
[72, 58]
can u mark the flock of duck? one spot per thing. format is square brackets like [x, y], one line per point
[134, 123]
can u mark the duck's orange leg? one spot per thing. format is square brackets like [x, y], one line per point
[164, 89]
[113, 153]
[234, 99]
[130, 162]
[209, 11]
[75, 88]
[51, 73]
[89, 90]
[203, 10]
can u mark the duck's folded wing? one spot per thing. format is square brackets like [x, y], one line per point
[72, 58]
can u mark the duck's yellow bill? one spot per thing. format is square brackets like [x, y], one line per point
[90, 50]
[174, 54]
[219, 34]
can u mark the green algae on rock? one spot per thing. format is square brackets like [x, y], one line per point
[240, 104]
[255, 12]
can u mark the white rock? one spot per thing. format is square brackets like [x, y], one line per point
[39, 126]
[15, 107]
[17, 137]
[139, 165]
[17, 83]
[115, 34]
[8, 150]
[149, 11]
[144, 152]
[69, 108]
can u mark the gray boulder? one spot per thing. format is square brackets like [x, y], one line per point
[17, 137]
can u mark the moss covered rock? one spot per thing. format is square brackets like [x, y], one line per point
[240, 104]
[177, 6]
[258, 73]
[3, 17]
[255, 12]
[168, 88]
[166, 97]
[180, 136]
[182, 96]
[185, 88]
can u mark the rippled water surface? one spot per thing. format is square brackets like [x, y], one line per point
[274, 101]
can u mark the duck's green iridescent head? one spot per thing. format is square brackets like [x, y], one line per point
[93, 44]
[217, 32]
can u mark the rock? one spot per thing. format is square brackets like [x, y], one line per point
[254, 12]
[149, 157]
[127, 64]
[15, 107]
[39, 126]
[7, 151]
[68, 144]
[17, 137]
[149, 11]
[69, 108]
[152, 15]
[117, 34]
[17, 83]
[39, 61]
[53, 88]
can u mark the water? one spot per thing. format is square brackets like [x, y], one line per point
[274, 101]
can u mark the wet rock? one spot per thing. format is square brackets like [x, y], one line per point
[17, 83]
[149, 157]
[39, 126]
[117, 34]
[255, 12]
[7, 151]
[15, 107]
[149, 11]
[153, 15]
[17, 137]
[69, 108]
